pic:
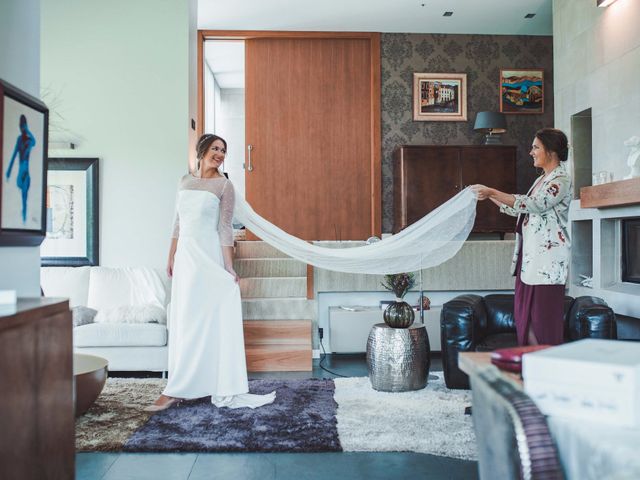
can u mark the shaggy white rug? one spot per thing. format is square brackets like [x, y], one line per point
[430, 420]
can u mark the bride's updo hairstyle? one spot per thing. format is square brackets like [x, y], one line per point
[554, 140]
[204, 144]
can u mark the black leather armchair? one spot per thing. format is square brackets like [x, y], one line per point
[627, 328]
[471, 323]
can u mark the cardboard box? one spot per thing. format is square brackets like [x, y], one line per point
[590, 379]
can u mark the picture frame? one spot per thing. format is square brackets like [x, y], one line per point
[24, 125]
[521, 91]
[72, 237]
[440, 97]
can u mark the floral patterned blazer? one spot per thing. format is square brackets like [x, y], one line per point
[545, 235]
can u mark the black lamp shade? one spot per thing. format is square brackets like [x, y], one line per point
[493, 122]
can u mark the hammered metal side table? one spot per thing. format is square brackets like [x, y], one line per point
[398, 359]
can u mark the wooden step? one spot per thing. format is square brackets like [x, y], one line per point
[257, 249]
[269, 267]
[278, 309]
[270, 287]
[278, 345]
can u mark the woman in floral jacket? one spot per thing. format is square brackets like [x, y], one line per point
[541, 257]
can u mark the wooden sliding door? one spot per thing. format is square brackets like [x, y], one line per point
[312, 135]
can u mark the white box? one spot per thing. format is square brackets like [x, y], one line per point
[8, 297]
[589, 379]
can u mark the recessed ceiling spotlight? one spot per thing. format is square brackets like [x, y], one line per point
[447, 14]
[604, 3]
[530, 15]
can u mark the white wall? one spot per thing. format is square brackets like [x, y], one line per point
[20, 66]
[597, 66]
[596, 55]
[123, 73]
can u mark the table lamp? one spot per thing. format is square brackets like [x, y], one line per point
[491, 123]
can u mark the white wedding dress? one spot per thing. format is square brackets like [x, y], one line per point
[206, 341]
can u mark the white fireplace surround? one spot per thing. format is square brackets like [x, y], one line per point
[597, 252]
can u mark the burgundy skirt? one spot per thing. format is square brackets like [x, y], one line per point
[539, 307]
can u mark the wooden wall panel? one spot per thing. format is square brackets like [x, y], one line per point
[308, 117]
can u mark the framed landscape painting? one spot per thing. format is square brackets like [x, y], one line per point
[440, 97]
[23, 162]
[72, 213]
[522, 91]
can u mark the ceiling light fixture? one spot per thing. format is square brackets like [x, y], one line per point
[530, 15]
[604, 3]
[447, 14]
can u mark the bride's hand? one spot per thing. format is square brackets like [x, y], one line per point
[482, 192]
[233, 272]
[170, 267]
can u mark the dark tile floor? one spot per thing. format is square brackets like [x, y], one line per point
[281, 466]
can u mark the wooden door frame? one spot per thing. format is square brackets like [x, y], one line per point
[376, 148]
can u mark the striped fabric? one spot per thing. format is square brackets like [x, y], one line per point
[514, 441]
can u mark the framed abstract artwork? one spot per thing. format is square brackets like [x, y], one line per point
[440, 97]
[522, 91]
[72, 213]
[24, 123]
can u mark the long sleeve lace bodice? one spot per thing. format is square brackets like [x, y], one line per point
[222, 188]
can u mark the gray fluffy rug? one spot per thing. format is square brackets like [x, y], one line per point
[307, 416]
[430, 420]
[301, 419]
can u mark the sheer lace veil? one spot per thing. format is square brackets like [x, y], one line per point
[430, 241]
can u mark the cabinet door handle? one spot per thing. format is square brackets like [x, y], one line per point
[248, 166]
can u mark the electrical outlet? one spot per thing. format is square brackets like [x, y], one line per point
[320, 332]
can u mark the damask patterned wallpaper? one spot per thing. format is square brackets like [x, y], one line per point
[479, 56]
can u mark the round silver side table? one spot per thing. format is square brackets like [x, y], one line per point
[398, 359]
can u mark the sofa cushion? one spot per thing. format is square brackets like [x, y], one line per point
[120, 335]
[67, 282]
[118, 287]
[132, 314]
[82, 315]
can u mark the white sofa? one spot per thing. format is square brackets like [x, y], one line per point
[127, 346]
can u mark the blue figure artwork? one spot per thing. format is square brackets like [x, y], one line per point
[25, 142]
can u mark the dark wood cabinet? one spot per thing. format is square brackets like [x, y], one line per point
[426, 176]
[37, 439]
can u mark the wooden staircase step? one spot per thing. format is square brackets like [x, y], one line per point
[278, 309]
[278, 345]
[257, 249]
[273, 287]
[269, 267]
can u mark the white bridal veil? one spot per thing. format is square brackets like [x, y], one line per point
[430, 241]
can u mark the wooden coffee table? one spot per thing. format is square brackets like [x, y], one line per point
[471, 361]
[90, 374]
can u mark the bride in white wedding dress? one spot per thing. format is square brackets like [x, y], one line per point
[206, 341]
[206, 344]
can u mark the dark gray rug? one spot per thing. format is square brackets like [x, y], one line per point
[302, 419]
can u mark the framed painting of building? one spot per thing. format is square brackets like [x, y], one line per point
[440, 97]
[522, 91]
